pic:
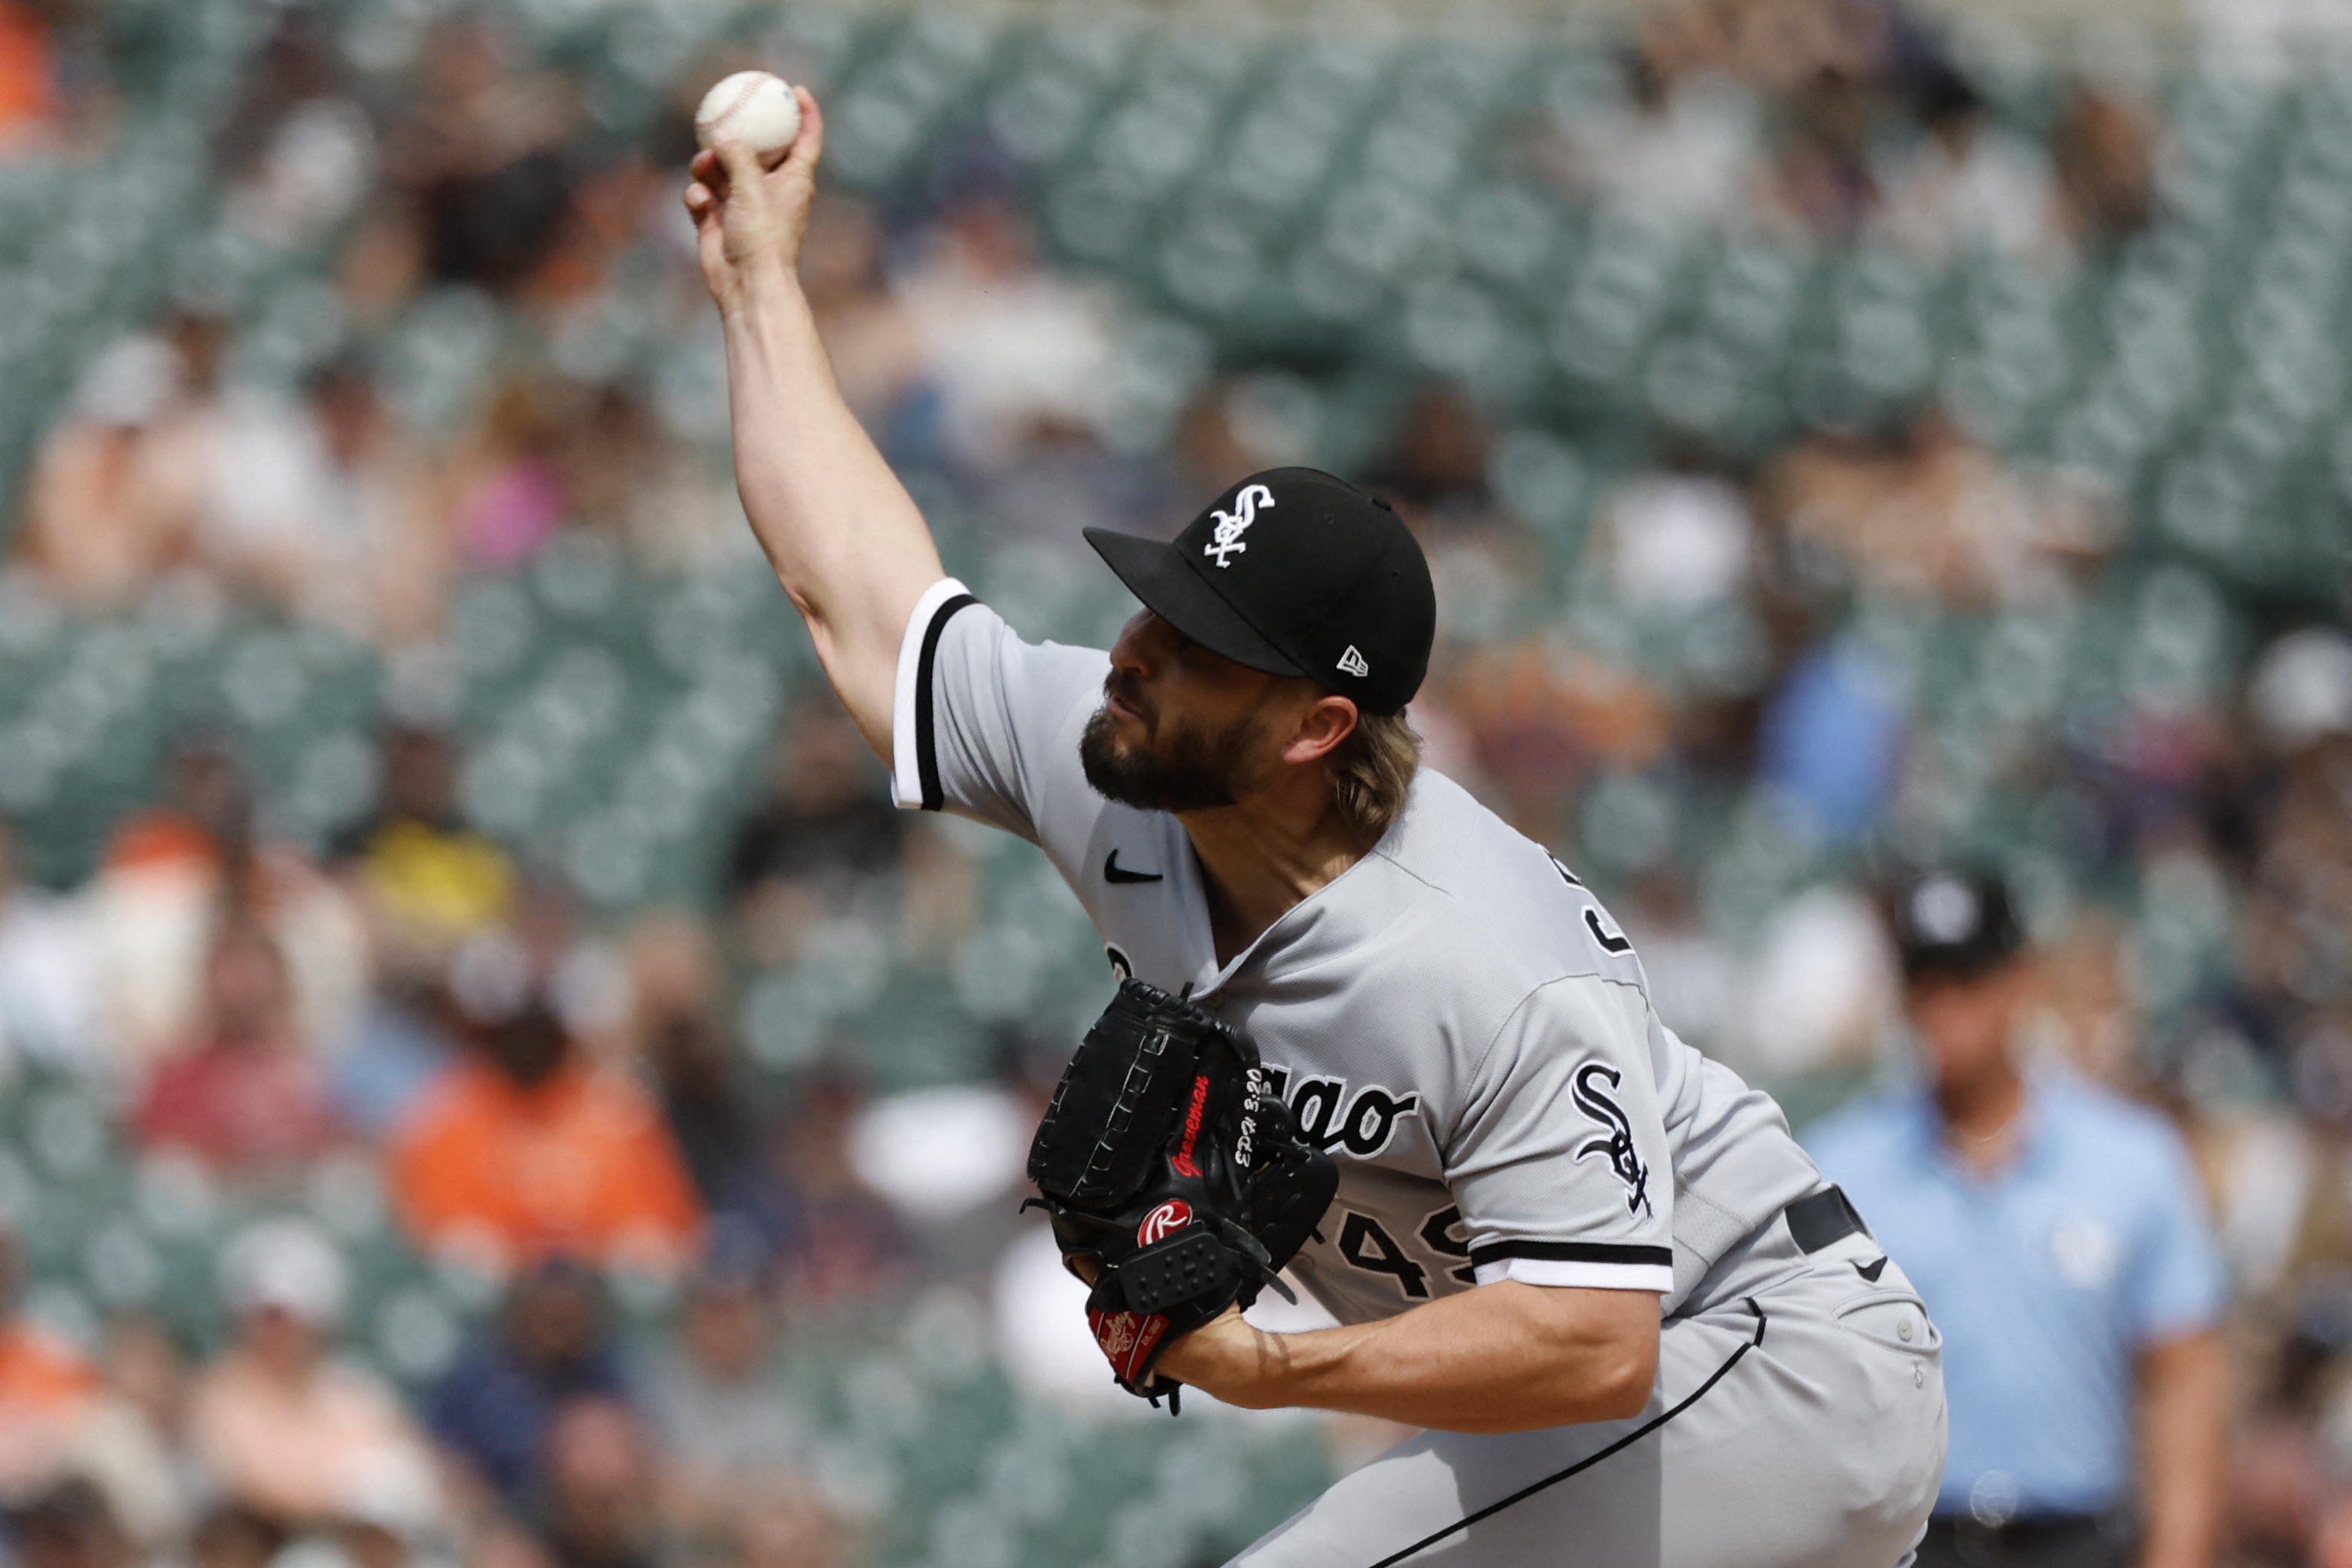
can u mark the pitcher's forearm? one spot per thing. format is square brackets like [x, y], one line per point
[847, 540]
[1505, 1357]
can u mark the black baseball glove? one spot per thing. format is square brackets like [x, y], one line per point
[1168, 1166]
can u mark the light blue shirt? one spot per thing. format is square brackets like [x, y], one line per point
[2047, 1278]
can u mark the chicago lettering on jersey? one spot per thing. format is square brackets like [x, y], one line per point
[1329, 1118]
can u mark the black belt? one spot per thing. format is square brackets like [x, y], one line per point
[2025, 1530]
[1818, 1218]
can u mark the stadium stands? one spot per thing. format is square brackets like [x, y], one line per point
[2132, 440]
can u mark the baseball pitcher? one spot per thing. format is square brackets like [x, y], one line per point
[1637, 1327]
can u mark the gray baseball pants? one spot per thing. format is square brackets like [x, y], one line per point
[1798, 1423]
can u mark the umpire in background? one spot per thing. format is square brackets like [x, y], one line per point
[2055, 1230]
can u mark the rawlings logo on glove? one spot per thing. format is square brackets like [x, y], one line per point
[1173, 1176]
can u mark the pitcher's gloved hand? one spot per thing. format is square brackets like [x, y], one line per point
[1177, 1184]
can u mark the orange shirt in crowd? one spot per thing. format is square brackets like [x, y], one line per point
[27, 99]
[579, 1166]
[46, 1386]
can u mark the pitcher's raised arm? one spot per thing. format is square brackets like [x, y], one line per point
[847, 540]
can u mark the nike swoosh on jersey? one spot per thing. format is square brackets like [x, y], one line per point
[1871, 1272]
[1111, 872]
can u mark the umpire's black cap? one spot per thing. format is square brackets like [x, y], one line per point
[1295, 573]
[1955, 924]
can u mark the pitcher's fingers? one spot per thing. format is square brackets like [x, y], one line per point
[808, 147]
[740, 165]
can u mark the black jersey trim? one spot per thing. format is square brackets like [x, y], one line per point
[1574, 1253]
[926, 744]
[1586, 1463]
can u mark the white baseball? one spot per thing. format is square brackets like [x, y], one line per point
[750, 107]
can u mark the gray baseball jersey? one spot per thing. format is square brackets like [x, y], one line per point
[1454, 1018]
[1462, 1026]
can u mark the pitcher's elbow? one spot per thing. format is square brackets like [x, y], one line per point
[1624, 1391]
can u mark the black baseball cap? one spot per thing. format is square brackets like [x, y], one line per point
[1295, 573]
[1955, 924]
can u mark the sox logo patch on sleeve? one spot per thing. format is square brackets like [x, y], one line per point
[1594, 1081]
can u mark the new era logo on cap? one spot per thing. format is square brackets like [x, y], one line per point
[1294, 572]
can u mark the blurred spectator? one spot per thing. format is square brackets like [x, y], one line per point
[1820, 991]
[130, 1440]
[1966, 185]
[2059, 1233]
[510, 498]
[395, 1051]
[482, 151]
[1435, 465]
[830, 813]
[695, 1071]
[1679, 149]
[826, 822]
[1674, 542]
[2105, 149]
[603, 446]
[251, 1097]
[29, 102]
[838, 1243]
[1832, 742]
[788, 1527]
[1692, 971]
[727, 1426]
[316, 504]
[175, 869]
[1013, 346]
[949, 1160]
[68, 1525]
[232, 478]
[46, 1385]
[1822, 185]
[492, 1410]
[869, 337]
[288, 1432]
[106, 509]
[376, 557]
[50, 1011]
[2301, 850]
[1541, 713]
[596, 1503]
[228, 1536]
[528, 1149]
[430, 877]
[1931, 513]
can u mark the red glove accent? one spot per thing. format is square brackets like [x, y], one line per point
[1128, 1339]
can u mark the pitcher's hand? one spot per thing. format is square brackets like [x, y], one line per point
[749, 221]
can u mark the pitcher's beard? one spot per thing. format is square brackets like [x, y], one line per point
[1197, 770]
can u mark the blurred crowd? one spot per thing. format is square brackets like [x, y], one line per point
[491, 337]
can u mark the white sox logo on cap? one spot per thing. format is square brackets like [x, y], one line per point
[1227, 540]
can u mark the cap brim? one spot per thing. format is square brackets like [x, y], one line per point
[1155, 573]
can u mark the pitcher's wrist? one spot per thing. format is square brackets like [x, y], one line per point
[763, 291]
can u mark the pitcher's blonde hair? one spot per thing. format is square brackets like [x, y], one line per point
[1371, 772]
